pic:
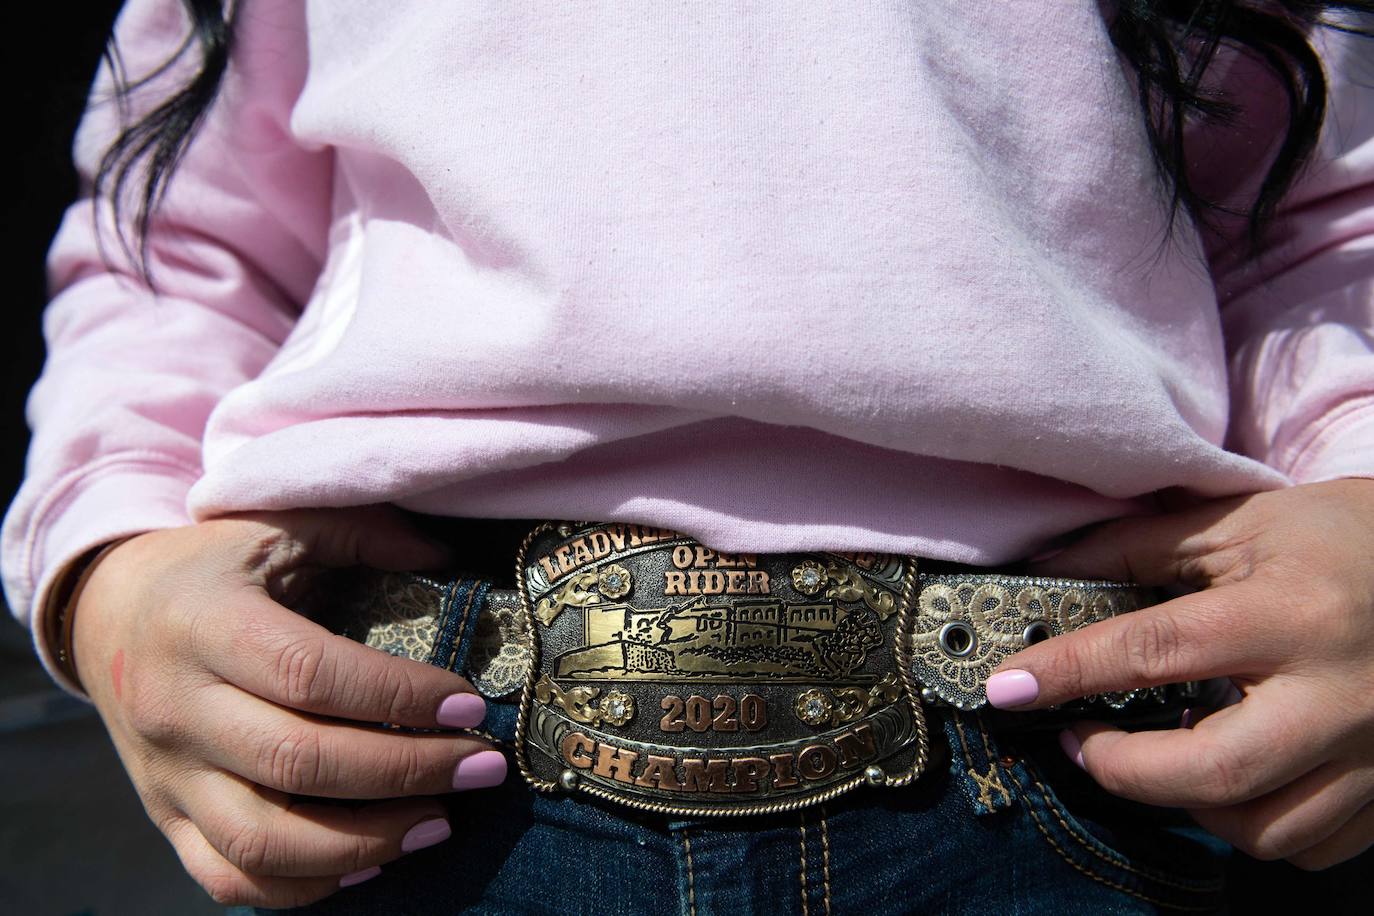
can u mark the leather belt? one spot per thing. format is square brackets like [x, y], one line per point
[654, 672]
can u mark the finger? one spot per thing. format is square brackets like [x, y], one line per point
[1236, 754]
[229, 886]
[1355, 837]
[1296, 816]
[272, 652]
[1189, 546]
[264, 832]
[287, 750]
[380, 536]
[1195, 637]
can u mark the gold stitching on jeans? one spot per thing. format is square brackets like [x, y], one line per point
[805, 907]
[985, 783]
[691, 885]
[825, 860]
[994, 775]
[963, 744]
[1112, 858]
[462, 625]
[1112, 884]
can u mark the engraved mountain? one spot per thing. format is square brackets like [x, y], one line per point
[695, 640]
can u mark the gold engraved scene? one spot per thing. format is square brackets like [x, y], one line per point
[695, 639]
[679, 677]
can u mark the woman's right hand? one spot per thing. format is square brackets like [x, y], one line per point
[226, 707]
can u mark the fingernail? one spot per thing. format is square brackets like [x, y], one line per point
[358, 877]
[1072, 748]
[426, 833]
[1012, 688]
[480, 771]
[1186, 720]
[462, 710]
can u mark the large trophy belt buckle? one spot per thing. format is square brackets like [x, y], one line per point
[678, 679]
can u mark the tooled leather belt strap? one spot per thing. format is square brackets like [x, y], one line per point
[654, 672]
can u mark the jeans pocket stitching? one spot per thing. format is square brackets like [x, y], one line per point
[1103, 879]
[1106, 853]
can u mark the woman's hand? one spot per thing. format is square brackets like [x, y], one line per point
[1286, 611]
[225, 706]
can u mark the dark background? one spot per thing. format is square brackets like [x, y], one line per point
[73, 838]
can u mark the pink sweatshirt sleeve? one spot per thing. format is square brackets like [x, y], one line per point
[131, 376]
[1299, 321]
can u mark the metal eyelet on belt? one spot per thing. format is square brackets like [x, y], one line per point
[958, 639]
[1036, 631]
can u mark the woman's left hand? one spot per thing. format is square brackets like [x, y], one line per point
[1286, 610]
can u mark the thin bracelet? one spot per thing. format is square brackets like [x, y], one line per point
[61, 624]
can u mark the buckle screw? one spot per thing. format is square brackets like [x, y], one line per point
[568, 779]
[875, 775]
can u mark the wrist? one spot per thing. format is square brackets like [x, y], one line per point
[59, 614]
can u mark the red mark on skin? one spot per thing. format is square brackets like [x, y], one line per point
[117, 674]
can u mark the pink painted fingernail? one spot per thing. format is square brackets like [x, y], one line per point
[480, 771]
[462, 710]
[358, 877]
[1073, 749]
[426, 833]
[1186, 720]
[1012, 688]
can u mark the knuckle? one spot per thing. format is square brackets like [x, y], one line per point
[246, 846]
[1222, 777]
[275, 550]
[156, 716]
[225, 888]
[248, 849]
[294, 762]
[409, 768]
[1070, 669]
[400, 697]
[1257, 838]
[1264, 848]
[1310, 861]
[304, 672]
[1151, 649]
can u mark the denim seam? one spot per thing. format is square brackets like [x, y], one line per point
[691, 883]
[1063, 854]
[825, 861]
[963, 744]
[806, 908]
[442, 651]
[1111, 858]
[476, 589]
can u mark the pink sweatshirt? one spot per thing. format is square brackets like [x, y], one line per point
[830, 275]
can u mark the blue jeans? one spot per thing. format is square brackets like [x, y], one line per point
[999, 827]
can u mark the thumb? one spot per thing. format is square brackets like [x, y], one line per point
[380, 536]
[1148, 550]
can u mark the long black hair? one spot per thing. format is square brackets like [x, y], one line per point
[1168, 43]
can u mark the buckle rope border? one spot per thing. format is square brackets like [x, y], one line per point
[872, 775]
